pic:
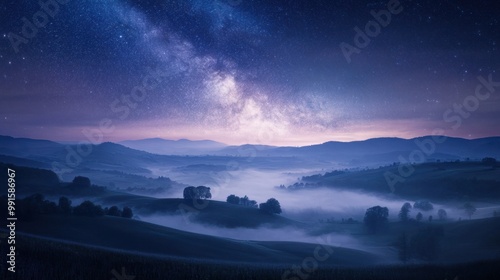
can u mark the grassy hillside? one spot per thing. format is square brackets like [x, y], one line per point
[150, 239]
[474, 238]
[34, 180]
[440, 181]
[464, 241]
[210, 212]
[42, 259]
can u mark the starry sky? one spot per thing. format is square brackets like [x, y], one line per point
[246, 71]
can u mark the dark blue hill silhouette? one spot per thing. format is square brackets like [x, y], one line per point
[174, 147]
[27, 148]
[111, 156]
[378, 150]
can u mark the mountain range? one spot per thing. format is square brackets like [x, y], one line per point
[139, 153]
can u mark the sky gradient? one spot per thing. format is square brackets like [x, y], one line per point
[241, 71]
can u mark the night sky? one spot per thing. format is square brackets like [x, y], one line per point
[243, 71]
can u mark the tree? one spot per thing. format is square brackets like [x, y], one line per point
[114, 211]
[271, 206]
[489, 161]
[233, 199]
[430, 218]
[64, 205]
[87, 208]
[419, 217]
[200, 192]
[253, 204]
[127, 212]
[245, 201]
[469, 209]
[404, 212]
[375, 218]
[203, 192]
[442, 215]
[189, 193]
[30, 207]
[82, 182]
[423, 205]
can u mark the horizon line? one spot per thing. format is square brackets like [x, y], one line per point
[74, 142]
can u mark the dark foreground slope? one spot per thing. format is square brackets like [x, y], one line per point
[149, 239]
[43, 259]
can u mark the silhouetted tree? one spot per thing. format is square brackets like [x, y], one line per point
[30, 207]
[204, 192]
[489, 161]
[419, 217]
[200, 192]
[442, 215]
[64, 205]
[87, 208]
[404, 212]
[114, 211]
[245, 201]
[127, 212]
[375, 218]
[49, 207]
[430, 218]
[469, 209]
[271, 206]
[233, 199]
[423, 205]
[189, 193]
[81, 182]
[253, 204]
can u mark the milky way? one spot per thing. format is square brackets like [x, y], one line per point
[241, 71]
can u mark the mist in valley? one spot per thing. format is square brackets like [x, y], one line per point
[304, 204]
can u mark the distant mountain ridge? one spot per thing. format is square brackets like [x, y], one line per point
[174, 147]
[450, 148]
[137, 155]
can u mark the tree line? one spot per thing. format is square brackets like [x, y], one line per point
[271, 206]
[30, 207]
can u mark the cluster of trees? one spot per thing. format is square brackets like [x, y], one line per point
[489, 161]
[404, 213]
[88, 208]
[271, 206]
[30, 207]
[200, 192]
[423, 205]
[244, 201]
[81, 182]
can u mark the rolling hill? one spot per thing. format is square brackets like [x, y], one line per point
[149, 239]
[436, 180]
[209, 212]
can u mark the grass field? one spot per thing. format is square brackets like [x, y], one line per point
[150, 239]
[41, 259]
